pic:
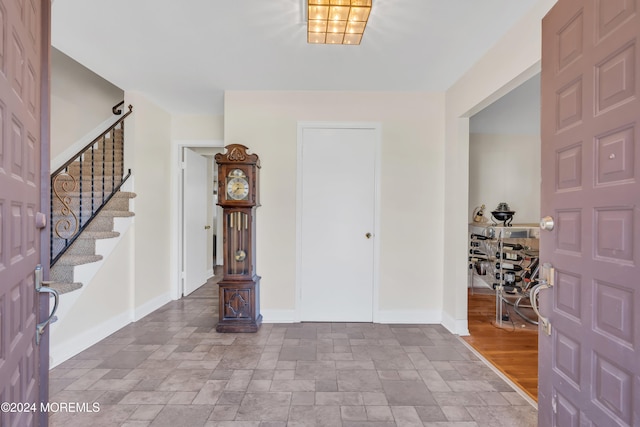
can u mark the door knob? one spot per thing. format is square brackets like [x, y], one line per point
[547, 223]
[206, 227]
[368, 235]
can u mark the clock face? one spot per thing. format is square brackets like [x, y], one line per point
[237, 185]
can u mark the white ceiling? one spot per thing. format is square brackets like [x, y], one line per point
[184, 54]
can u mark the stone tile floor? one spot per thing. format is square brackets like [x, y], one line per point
[173, 369]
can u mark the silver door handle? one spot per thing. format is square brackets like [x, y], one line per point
[547, 280]
[533, 295]
[40, 327]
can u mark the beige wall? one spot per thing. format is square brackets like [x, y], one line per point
[513, 60]
[148, 153]
[135, 278]
[99, 309]
[80, 101]
[505, 168]
[197, 127]
[411, 216]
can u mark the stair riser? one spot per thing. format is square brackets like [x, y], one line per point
[82, 247]
[60, 222]
[108, 151]
[61, 273]
[101, 224]
[98, 160]
[74, 203]
[98, 169]
[67, 183]
[118, 204]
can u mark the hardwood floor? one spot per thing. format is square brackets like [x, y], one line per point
[512, 347]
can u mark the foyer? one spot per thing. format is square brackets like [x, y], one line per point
[172, 369]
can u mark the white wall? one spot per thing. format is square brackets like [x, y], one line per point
[513, 60]
[411, 216]
[99, 308]
[80, 100]
[148, 154]
[505, 168]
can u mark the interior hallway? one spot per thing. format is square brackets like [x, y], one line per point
[172, 369]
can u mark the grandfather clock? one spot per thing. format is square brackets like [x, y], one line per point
[239, 288]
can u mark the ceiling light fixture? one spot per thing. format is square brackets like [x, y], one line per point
[337, 21]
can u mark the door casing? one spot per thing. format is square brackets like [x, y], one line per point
[176, 202]
[194, 211]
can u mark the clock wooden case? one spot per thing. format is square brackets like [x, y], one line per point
[239, 288]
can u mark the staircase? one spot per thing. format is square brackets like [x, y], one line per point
[85, 200]
[83, 250]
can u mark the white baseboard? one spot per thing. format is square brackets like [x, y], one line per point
[455, 326]
[424, 317]
[63, 351]
[151, 306]
[278, 316]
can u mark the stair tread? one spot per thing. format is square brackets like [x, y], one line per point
[65, 288]
[70, 259]
[88, 234]
[117, 213]
[128, 194]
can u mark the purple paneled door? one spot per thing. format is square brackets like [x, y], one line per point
[24, 47]
[589, 363]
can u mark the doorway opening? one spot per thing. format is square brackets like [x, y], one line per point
[504, 175]
[198, 248]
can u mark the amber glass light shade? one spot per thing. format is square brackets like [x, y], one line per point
[337, 21]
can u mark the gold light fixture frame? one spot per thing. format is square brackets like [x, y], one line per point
[337, 21]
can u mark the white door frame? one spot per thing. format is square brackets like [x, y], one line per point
[195, 220]
[376, 127]
[176, 202]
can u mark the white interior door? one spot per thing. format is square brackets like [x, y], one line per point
[337, 218]
[194, 221]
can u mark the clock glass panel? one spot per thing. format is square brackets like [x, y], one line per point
[238, 235]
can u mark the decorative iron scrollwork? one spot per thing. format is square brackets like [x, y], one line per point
[67, 226]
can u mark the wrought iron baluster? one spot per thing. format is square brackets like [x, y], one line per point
[104, 156]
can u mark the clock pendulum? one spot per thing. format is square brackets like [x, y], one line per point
[239, 288]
